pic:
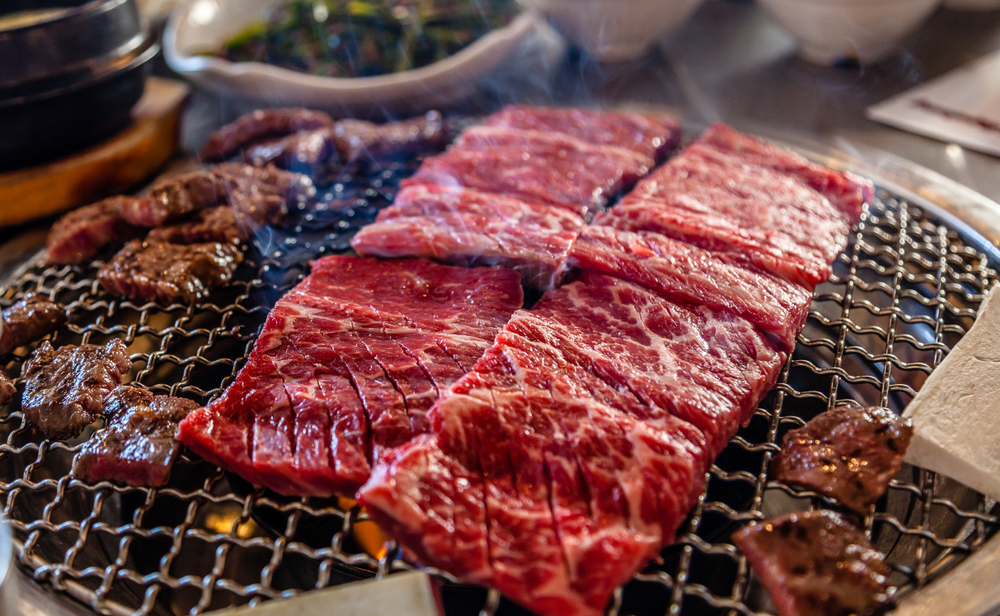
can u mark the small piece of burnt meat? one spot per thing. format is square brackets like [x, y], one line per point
[174, 199]
[815, 564]
[259, 125]
[65, 388]
[7, 389]
[848, 454]
[357, 138]
[161, 272]
[217, 224]
[80, 234]
[138, 445]
[302, 152]
[27, 320]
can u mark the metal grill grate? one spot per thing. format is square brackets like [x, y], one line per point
[901, 296]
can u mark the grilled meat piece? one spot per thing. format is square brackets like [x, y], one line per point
[217, 224]
[848, 454]
[7, 389]
[263, 194]
[28, 320]
[156, 271]
[303, 151]
[175, 198]
[259, 125]
[356, 138]
[65, 388]
[137, 447]
[79, 235]
[815, 564]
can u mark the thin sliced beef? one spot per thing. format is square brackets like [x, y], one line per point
[259, 125]
[686, 273]
[217, 224]
[424, 200]
[65, 388]
[28, 320]
[355, 139]
[137, 446]
[848, 454]
[82, 233]
[304, 151]
[7, 389]
[652, 136]
[534, 166]
[159, 272]
[815, 563]
[174, 199]
[539, 255]
[345, 369]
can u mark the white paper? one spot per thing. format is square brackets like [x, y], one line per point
[962, 106]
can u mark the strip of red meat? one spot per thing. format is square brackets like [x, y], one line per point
[217, 224]
[425, 200]
[174, 198]
[304, 151]
[27, 320]
[652, 136]
[82, 233]
[686, 273]
[539, 255]
[259, 125]
[345, 369]
[355, 139]
[7, 389]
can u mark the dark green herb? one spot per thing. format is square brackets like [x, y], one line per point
[360, 38]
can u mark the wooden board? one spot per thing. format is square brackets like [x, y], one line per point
[114, 166]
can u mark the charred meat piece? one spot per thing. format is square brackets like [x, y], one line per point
[356, 138]
[848, 454]
[7, 389]
[138, 446]
[815, 564]
[65, 388]
[299, 151]
[217, 224]
[156, 271]
[174, 199]
[259, 125]
[28, 320]
[263, 194]
[80, 234]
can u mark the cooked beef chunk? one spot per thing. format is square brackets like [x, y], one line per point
[174, 199]
[259, 125]
[357, 139]
[65, 388]
[80, 234]
[303, 151]
[28, 320]
[7, 389]
[815, 564]
[156, 271]
[138, 446]
[217, 224]
[263, 194]
[848, 454]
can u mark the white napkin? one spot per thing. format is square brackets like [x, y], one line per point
[962, 106]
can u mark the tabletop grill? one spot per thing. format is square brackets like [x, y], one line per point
[904, 292]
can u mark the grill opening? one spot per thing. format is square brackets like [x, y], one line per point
[903, 293]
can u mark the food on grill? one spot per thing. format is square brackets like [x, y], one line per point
[217, 224]
[534, 166]
[362, 38]
[955, 423]
[681, 270]
[173, 199]
[848, 454]
[159, 272]
[305, 151]
[815, 563]
[259, 125]
[346, 367]
[137, 446]
[65, 388]
[27, 320]
[80, 234]
[7, 389]
[652, 136]
[576, 446]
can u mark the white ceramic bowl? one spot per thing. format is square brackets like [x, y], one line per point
[203, 25]
[616, 30]
[829, 31]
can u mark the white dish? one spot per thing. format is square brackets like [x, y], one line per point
[616, 30]
[829, 31]
[204, 25]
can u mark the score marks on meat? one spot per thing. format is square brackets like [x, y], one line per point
[346, 367]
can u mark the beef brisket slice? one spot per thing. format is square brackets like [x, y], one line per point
[82, 233]
[258, 125]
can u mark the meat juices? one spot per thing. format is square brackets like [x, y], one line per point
[7, 389]
[815, 563]
[137, 446]
[27, 320]
[159, 272]
[848, 453]
[258, 125]
[65, 388]
[82, 233]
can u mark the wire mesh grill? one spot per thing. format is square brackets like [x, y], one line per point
[901, 296]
